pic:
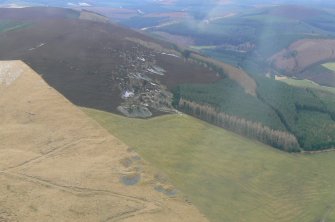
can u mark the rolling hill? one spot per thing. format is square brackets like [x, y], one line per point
[266, 41]
[281, 24]
[97, 64]
[263, 40]
[56, 164]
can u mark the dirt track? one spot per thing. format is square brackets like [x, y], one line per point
[56, 164]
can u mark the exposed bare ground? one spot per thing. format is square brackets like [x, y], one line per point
[7, 75]
[304, 53]
[56, 164]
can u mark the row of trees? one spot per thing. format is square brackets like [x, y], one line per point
[279, 139]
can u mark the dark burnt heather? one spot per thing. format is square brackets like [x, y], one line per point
[37, 13]
[94, 64]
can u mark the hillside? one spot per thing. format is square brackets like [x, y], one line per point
[56, 164]
[277, 114]
[254, 29]
[266, 41]
[229, 177]
[98, 64]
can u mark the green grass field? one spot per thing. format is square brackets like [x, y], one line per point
[305, 83]
[231, 178]
[330, 66]
[201, 47]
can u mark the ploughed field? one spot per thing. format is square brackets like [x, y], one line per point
[304, 59]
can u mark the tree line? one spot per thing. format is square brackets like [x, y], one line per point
[278, 139]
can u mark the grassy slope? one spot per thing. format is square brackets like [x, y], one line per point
[305, 83]
[330, 66]
[228, 177]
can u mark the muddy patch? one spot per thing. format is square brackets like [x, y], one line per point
[131, 174]
[131, 179]
[168, 190]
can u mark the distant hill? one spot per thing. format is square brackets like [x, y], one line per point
[262, 26]
[248, 38]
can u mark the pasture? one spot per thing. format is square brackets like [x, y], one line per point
[231, 178]
[329, 65]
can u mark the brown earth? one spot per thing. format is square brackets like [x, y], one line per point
[56, 164]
